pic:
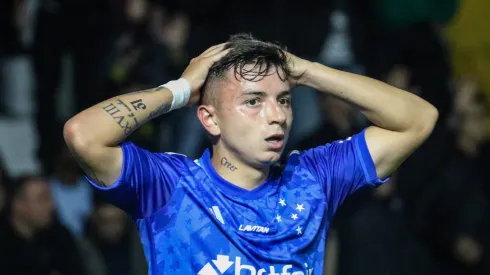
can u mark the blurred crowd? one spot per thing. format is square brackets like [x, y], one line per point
[58, 57]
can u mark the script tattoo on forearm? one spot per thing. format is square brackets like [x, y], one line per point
[139, 105]
[86, 168]
[162, 109]
[227, 164]
[127, 121]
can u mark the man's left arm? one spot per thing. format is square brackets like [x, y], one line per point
[402, 121]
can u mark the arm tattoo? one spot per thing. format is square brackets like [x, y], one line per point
[227, 164]
[163, 109]
[120, 102]
[86, 168]
[122, 120]
[138, 104]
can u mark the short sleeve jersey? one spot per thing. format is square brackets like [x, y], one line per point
[192, 221]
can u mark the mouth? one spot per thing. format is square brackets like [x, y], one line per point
[275, 141]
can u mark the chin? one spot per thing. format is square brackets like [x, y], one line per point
[271, 157]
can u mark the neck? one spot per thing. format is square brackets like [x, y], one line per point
[21, 228]
[236, 171]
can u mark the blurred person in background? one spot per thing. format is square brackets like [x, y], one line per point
[443, 186]
[72, 196]
[4, 180]
[469, 42]
[80, 31]
[16, 37]
[387, 33]
[154, 50]
[112, 246]
[32, 242]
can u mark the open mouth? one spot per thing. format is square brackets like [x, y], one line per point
[277, 137]
[275, 141]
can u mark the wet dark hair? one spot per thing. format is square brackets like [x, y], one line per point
[247, 50]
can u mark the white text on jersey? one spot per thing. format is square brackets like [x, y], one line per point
[254, 228]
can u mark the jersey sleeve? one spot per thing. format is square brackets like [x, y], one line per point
[146, 182]
[343, 167]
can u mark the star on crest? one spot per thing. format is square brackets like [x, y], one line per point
[299, 207]
[299, 230]
[282, 202]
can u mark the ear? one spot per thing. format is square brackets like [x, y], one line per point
[207, 116]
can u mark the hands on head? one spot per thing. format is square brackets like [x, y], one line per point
[198, 69]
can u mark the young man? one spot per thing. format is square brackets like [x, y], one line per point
[233, 210]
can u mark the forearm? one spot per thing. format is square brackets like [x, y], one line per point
[385, 106]
[111, 121]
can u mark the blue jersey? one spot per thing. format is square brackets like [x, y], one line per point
[192, 221]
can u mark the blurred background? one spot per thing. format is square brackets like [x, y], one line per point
[58, 57]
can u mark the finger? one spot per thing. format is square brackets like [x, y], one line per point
[217, 56]
[210, 49]
[213, 50]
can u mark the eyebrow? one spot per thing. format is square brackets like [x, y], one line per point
[262, 93]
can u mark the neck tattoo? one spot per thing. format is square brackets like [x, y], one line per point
[227, 164]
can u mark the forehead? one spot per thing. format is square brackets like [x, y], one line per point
[272, 83]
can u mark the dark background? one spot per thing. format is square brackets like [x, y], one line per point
[58, 57]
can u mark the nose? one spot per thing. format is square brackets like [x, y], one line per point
[275, 114]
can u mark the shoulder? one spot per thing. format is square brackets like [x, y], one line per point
[331, 150]
[134, 153]
[297, 167]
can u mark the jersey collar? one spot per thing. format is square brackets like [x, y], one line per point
[231, 189]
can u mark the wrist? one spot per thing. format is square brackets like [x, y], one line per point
[181, 92]
[309, 76]
[308, 72]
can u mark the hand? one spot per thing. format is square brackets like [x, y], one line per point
[298, 68]
[197, 71]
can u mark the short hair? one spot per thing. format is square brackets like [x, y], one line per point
[246, 50]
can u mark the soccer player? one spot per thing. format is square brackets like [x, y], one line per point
[233, 211]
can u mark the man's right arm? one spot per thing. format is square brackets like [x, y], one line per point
[94, 135]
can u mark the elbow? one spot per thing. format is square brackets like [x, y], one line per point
[428, 117]
[73, 134]
[431, 117]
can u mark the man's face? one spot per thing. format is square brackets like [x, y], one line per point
[255, 117]
[36, 203]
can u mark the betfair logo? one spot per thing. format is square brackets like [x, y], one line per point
[223, 266]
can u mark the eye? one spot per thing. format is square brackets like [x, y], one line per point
[285, 101]
[252, 102]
